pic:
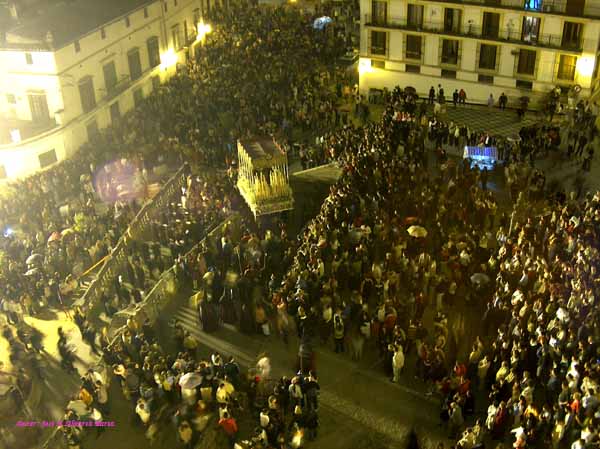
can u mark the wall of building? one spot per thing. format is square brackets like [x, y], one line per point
[58, 73]
[467, 71]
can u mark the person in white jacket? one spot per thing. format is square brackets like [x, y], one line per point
[397, 362]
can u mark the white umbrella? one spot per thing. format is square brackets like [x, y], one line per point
[190, 380]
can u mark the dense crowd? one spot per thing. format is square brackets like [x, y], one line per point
[396, 254]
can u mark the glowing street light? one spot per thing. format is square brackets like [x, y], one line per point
[203, 30]
[168, 59]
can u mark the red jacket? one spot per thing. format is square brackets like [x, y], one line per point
[229, 425]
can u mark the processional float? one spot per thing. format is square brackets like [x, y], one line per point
[263, 178]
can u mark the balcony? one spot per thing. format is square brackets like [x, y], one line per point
[27, 129]
[505, 35]
[558, 7]
[116, 90]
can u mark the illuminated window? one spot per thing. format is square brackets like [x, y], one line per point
[531, 29]
[28, 58]
[566, 68]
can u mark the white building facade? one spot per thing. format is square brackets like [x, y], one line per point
[516, 47]
[54, 96]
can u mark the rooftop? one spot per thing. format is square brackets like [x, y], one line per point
[66, 20]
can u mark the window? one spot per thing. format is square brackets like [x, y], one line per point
[77, 46]
[572, 32]
[378, 64]
[138, 96]
[39, 107]
[127, 21]
[379, 12]
[102, 33]
[47, 158]
[528, 85]
[415, 16]
[566, 68]
[87, 94]
[153, 51]
[176, 39]
[378, 42]
[145, 12]
[575, 7]
[110, 76]
[115, 113]
[196, 16]
[413, 46]
[410, 68]
[535, 5]
[491, 25]
[155, 82]
[452, 20]
[11, 99]
[487, 79]
[135, 65]
[526, 62]
[28, 58]
[487, 57]
[531, 29]
[449, 51]
[92, 130]
[448, 73]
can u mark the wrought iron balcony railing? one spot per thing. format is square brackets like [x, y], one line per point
[508, 34]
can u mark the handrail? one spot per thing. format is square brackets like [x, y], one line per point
[118, 255]
[153, 297]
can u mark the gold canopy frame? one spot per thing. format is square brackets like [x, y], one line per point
[263, 177]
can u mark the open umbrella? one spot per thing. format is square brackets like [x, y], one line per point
[55, 236]
[322, 22]
[78, 407]
[480, 278]
[417, 231]
[34, 259]
[190, 380]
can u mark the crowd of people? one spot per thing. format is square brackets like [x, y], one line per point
[395, 255]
